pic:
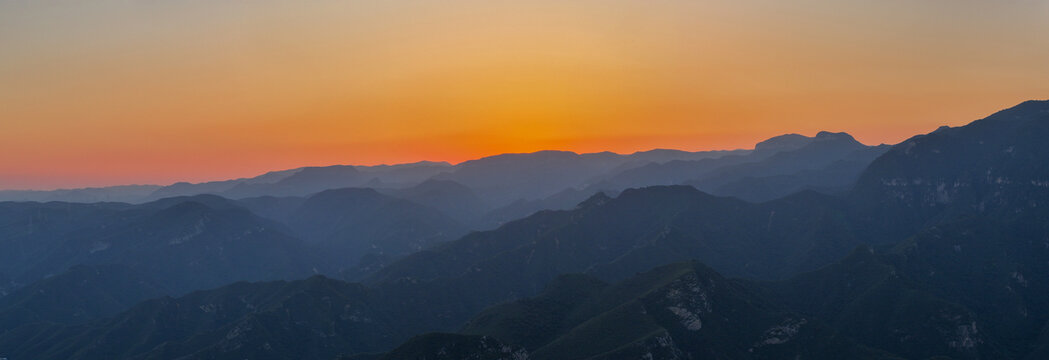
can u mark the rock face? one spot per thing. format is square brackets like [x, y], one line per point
[682, 311]
[992, 167]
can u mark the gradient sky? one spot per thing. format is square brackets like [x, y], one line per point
[111, 92]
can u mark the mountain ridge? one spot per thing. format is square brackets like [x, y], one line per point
[904, 263]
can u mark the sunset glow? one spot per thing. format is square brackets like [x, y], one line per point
[116, 92]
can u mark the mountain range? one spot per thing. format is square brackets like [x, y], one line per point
[498, 180]
[804, 247]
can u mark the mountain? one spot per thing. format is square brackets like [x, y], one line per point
[405, 175]
[314, 318]
[996, 269]
[639, 229]
[348, 224]
[674, 172]
[497, 180]
[969, 282]
[939, 250]
[123, 193]
[451, 198]
[678, 311]
[968, 289]
[6, 284]
[961, 214]
[785, 142]
[965, 282]
[309, 180]
[212, 187]
[674, 310]
[188, 243]
[777, 167]
[29, 230]
[534, 322]
[820, 151]
[870, 299]
[272, 207]
[564, 200]
[505, 178]
[306, 181]
[444, 346]
[828, 162]
[343, 226]
[836, 178]
[79, 295]
[315, 179]
[991, 167]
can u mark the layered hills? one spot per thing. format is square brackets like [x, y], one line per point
[932, 248]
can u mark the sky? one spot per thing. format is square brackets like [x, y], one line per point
[112, 92]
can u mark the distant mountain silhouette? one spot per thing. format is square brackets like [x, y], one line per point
[306, 181]
[564, 200]
[503, 180]
[309, 180]
[785, 142]
[213, 187]
[640, 229]
[348, 224]
[190, 243]
[405, 175]
[123, 193]
[820, 151]
[829, 161]
[482, 175]
[451, 198]
[836, 178]
[783, 165]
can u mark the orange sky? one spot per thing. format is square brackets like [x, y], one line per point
[111, 92]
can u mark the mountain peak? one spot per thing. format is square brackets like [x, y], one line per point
[788, 142]
[595, 200]
[827, 135]
[782, 142]
[1024, 110]
[1037, 104]
[313, 173]
[539, 155]
[206, 200]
